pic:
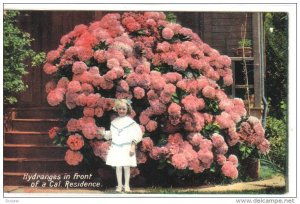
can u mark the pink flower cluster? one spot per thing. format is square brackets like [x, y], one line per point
[230, 170]
[75, 142]
[100, 148]
[139, 56]
[73, 158]
[52, 132]
[252, 133]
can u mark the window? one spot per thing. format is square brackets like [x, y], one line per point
[239, 86]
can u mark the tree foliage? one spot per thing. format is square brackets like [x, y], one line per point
[17, 53]
[276, 27]
[276, 31]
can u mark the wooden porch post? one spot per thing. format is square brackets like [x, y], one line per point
[256, 111]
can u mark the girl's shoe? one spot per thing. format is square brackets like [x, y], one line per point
[127, 189]
[119, 189]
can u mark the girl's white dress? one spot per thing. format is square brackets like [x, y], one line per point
[123, 131]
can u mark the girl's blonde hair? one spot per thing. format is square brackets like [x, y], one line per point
[118, 103]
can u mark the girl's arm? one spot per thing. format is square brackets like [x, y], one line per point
[138, 134]
[132, 149]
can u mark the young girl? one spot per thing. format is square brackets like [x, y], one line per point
[125, 134]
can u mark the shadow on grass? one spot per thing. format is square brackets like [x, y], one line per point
[270, 190]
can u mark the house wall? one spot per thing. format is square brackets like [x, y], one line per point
[222, 31]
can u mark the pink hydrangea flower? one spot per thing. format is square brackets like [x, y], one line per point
[233, 159]
[52, 132]
[179, 161]
[228, 80]
[100, 149]
[217, 140]
[55, 96]
[88, 112]
[143, 69]
[175, 138]
[144, 118]
[174, 109]
[79, 67]
[75, 142]
[167, 33]
[172, 77]
[224, 120]
[86, 77]
[99, 112]
[113, 62]
[99, 55]
[221, 159]
[206, 157]
[206, 144]
[264, 146]
[195, 138]
[73, 125]
[94, 70]
[123, 86]
[138, 92]
[208, 117]
[208, 92]
[73, 158]
[147, 144]
[169, 89]
[192, 103]
[87, 88]
[151, 126]
[52, 56]
[49, 68]
[110, 75]
[50, 86]
[92, 99]
[222, 149]
[181, 64]
[155, 153]
[195, 166]
[163, 47]
[151, 95]
[63, 83]
[230, 170]
[157, 82]
[74, 87]
[89, 130]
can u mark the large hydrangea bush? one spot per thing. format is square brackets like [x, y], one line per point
[175, 82]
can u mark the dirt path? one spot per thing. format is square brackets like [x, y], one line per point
[275, 182]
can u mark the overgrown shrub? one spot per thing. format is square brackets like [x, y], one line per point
[175, 82]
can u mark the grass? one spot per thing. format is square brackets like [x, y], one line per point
[272, 190]
[267, 171]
